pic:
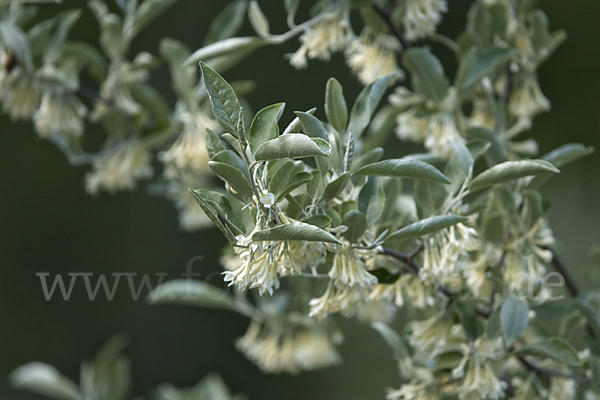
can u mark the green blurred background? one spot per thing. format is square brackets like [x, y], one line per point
[48, 224]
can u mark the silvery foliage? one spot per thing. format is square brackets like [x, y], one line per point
[320, 224]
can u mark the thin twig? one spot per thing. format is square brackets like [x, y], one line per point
[386, 16]
[562, 269]
[551, 372]
[406, 258]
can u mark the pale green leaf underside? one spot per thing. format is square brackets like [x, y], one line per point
[293, 232]
[511, 170]
[404, 169]
[295, 145]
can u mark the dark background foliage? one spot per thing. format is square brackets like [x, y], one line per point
[48, 224]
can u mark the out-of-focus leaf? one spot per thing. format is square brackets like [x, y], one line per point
[194, 293]
[319, 220]
[426, 226]
[45, 380]
[237, 46]
[366, 104]
[335, 105]
[511, 170]
[213, 214]
[514, 317]
[553, 347]
[356, 223]
[427, 73]
[146, 12]
[227, 23]
[392, 338]
[258, 19]
[479, 63]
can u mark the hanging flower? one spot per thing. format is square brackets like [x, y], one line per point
[414, 391]
[60, 112]
[327, 36]
[527, 99]
[119, 169]
[373, 56]
[432, 336]
[19, 96]
[422, 17]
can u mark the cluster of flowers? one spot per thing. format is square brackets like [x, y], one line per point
[320, 226]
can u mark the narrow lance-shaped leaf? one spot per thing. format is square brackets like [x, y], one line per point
[349, 155]
[553, 347]
[478, 64]
[227, 23]
[404, 168]
[194, 293]
[392, 338]
[258, 19]
[225, 48]
[568, 153]
[427, 73]
[295, 231]
[213, 215]
[296, 125]
[335, 105]
[366, 104]
[225, 104]
[426, 226]
[292, 146]
[511, 170]
[222, 206]
[319, 220]
[45, 380]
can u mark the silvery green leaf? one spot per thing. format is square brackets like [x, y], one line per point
[222, 206]
[295, 145]
[356, 223]
[233, 176]
[478, 147]
[426, 226]
[511, 170]
[427, 73]
[404, 168]
[568, 153]
[111, 36]
[479, 63]
[392, 338]
[146, 12]
[232, 141]
[214, 144]
[553, 347]
[376, 204]
[282, 176]
[335, 105]
[296, 125]
[151, 99]
[231, 158]
[429, 197]
[349, 154]
[459, 167]
[315, 129]
[45, 380]
[291, 7]
[13, 38]
[109, 375]
[336, 186]
[195, 293]
[227, 23]
[85, 55]
[319, 220]
[471, 323]
[184, 78]
[382, 126]
[370, 157]
[225, 104]
[297, 180]
[64, 24]
[497, 152]
[295, 231]
[213, 215]
[366, 104]
[312, 126]
[258, 19]
[514, 317]
[264, 126]
[233, 47]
